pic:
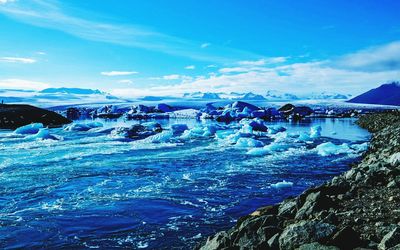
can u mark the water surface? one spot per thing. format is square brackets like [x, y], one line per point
[91, 190]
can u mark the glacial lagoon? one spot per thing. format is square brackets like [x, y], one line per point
[90, 189]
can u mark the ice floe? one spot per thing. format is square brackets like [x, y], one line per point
[282, 184]
[29, 129]
[328, 148]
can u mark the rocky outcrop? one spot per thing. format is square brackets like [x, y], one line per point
[15, 116]
[356, 210]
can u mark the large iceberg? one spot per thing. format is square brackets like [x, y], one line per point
[29, 129]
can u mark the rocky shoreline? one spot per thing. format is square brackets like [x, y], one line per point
[356, 210]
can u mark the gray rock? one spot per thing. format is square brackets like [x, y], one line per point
[304, 232]
[273, 242]
[219, 241]
[287, 208]
[317, 246]
[390, 240]
[315, 202]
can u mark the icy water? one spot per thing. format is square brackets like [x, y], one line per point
[91, 190]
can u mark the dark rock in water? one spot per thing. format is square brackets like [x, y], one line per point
[73, 113]
[241, 105]
[287, 109]
[258, 126]
[303, 111]
[305, 232]
[138, 131]
[163, 108]
[109, 115]
[259, 114]
[15, 116]
[144, 109]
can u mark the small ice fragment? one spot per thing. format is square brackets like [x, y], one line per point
[282, 184]
[249, 143]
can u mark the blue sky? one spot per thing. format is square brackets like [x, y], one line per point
[158, 47]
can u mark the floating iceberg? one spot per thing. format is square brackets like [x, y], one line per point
[29, 129]
[42, 134]
[258, 151]
[360, 147]
[304, 136]
[315, 131]
[164, 136]
[249, 143]
[282, 184]
[275, 129]
[83, 126]
[328, 148]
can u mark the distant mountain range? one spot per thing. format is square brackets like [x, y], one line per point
[386, 94]
[271, 95]
[75, 91]
[57, 96]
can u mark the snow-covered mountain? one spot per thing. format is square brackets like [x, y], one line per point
[57, 96]
[74, 91]
[386, 94]
[271, 95]
[201, 95]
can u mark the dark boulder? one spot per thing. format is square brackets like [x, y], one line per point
[15, 116]
[163, 108]
[305, 232]
[241, 105]
[73, 113]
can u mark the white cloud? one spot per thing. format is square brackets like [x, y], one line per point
[23, 84]
[378, 58]
[171, 77]
[298, 78]
[17, 60]
[205, 45]
[6, 1]
[41, 53]
[190, 67]
[261, 62]
[118, 73]
[127, 81]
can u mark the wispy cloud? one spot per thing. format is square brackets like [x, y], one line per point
[342, 74]
[127, 81]
[51, 15]
[6, 1]
[23, 84]
[118, 73]
[190, 67]
[17, 60]
[172, 77]
[378, 58]
[205, 45]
